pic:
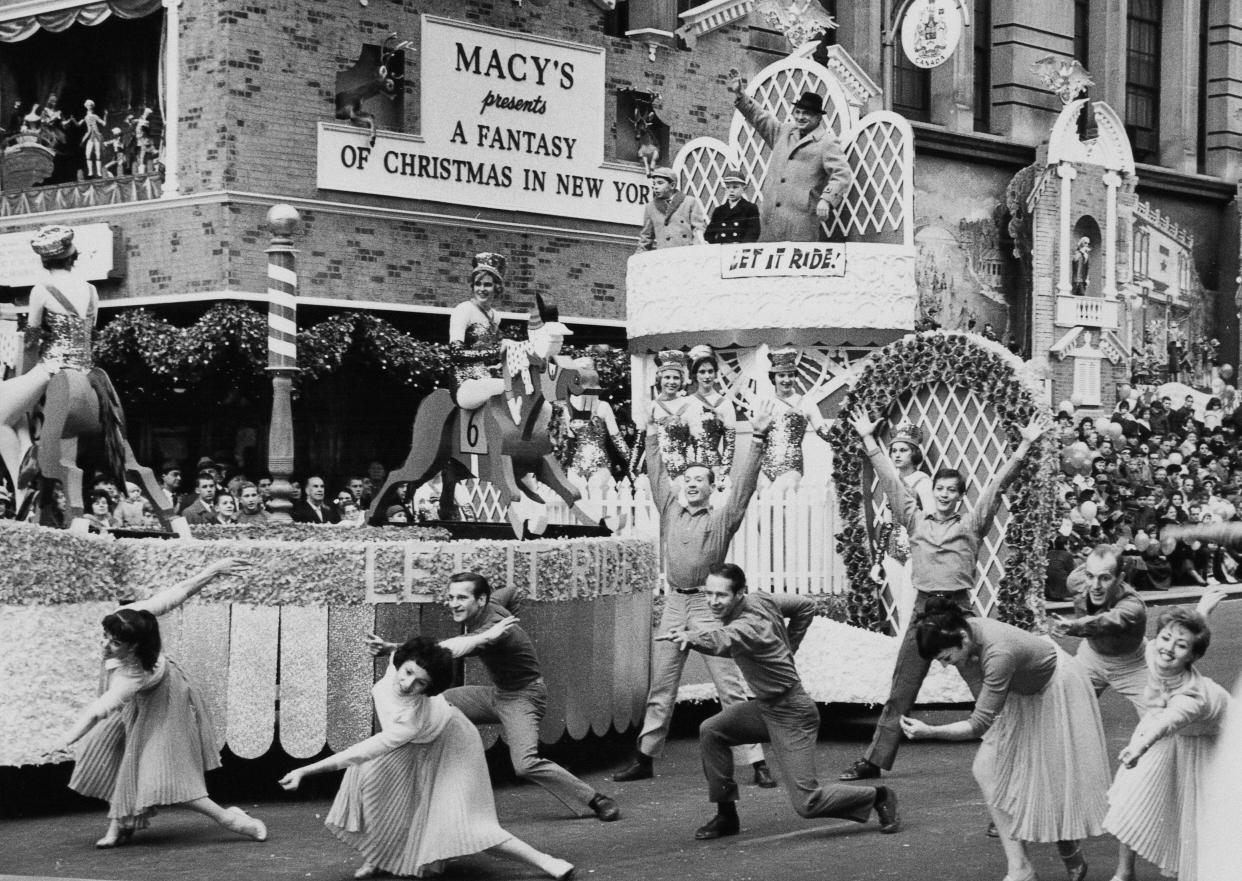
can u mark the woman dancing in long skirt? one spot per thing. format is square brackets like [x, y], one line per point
[418, 793]
[1043, 764]
[148, 739]
[1156, 803]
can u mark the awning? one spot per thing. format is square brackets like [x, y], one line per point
[15, 29]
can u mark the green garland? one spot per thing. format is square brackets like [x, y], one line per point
[225, 352]
[993, 375]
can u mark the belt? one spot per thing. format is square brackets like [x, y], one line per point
[687, 591]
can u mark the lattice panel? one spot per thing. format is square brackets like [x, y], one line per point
[881, 199]
[961, 430]
[879, 147]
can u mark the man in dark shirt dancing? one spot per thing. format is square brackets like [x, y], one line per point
[518, 696]
[751, 629]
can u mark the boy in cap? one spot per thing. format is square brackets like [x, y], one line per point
[736, 219]
[671, 219]
[807, 172]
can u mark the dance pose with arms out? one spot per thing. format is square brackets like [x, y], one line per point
[517, 697]
[417, 793]
[1043, 763]
[695, 536]
[148, 739]
[751, 629]
[1155, 804]
[944, 550]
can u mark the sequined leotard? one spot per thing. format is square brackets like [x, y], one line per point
[783, 451]
[66, 338]
[587, 452]
[676, 444]
[478, 357]
[716, 440]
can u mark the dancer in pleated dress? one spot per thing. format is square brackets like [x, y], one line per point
[148, 739]
[1043, 765]
[418, 793]
[1156, 803]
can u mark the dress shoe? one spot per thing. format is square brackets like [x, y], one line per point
[886, 809]
[861, 770]
[606, 809]
[640, 770]
[718, 827]
[763, 777]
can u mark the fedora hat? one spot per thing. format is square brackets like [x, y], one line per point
[811, 103]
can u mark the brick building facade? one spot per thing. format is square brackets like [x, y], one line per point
[248, 89]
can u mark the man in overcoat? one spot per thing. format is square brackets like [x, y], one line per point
[808, 175]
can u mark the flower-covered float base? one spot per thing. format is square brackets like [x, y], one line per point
[840, 664]
[283, 650]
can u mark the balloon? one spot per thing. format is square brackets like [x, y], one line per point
[1226, 371]
[1223, 509]
[1167, 544]
[1065, 407]
[1142, 541]
[1125, 391]
[1112, 429]
[1089, 510]
[1175, 458]
[1076, 458]
[1067, 527]
[1076, 400]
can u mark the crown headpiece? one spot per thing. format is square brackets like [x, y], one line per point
[494, 264]
[907, 432]
[53, 241]
[783, 360]
[671, 359]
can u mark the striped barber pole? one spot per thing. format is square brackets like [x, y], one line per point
[282, 313]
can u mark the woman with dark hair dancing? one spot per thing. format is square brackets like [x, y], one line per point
[148, 739]
[418, 793]
[1043, 764]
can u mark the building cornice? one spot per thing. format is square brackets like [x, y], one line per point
[366, 209]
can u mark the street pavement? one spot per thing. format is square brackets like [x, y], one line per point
[942, 836]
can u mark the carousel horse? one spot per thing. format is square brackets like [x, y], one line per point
[509, 433]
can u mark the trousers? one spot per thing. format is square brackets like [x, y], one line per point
[1126, 674]
[908, 678]
[520, 713]
[790, 724]
[667, 662]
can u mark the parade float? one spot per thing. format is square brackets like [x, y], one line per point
[842, 310]
[281, 659]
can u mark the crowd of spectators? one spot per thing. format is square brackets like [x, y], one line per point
[220, 495]
[1153, 461]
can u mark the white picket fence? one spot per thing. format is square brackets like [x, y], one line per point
[786, 543]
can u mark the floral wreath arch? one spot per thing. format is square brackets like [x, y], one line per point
[968, 394]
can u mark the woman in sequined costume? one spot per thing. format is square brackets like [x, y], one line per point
[713, 422]
[906, 454]
[58, 328]
[782, 454]
[590, 426]
[475, 344]
[668, 410]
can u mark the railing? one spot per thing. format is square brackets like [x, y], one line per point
[786, 543]
[1087, 312]
[83, 194]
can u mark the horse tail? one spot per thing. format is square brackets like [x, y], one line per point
[112, 423]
